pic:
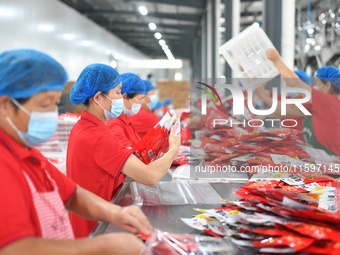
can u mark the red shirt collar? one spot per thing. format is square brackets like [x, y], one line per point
[125, 119]
[19, 151]
[91, 118]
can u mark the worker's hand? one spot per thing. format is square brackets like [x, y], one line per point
[273, 55]
[174, 139]
[260, 89]
[131, 219]
[121, 244]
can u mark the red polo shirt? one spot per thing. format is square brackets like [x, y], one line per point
[123, 129]
[326, 119]
[18, 217]
[94, 161]
[144, 121]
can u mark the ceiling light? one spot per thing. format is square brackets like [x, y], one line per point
[156, 63]
[68, 37]
[178, 76]
[45, 27]
[142, 9]
[158, 35]
[165, 47]
[5, 12]
[107, 52]
[162, 42]
[152, 26]
[86, 43]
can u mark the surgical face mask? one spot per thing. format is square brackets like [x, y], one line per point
[292, 94]
[134, 109]
[159, 114]
[153, 101]
[41, 126]
[117, 107]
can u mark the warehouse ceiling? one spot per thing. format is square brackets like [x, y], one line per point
[177, 20]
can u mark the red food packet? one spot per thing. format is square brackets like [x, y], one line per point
[295, 189]
[322, 247]
[295, 242]
[316, 232]
[269, 231]
[262, 186]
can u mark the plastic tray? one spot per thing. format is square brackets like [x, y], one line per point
[246, 55]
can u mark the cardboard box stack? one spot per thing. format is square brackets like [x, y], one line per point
[178, 91]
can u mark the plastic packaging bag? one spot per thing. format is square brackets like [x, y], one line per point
[155, 143]
[175, 193]
[184, 244]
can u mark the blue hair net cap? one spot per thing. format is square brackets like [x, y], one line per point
[158, 105]
[330, 74]
[132, 84]
[167, 101]
[25, 72]
[148, 86]
[304, 77]
[94, 78]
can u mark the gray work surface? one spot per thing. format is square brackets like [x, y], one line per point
[167, 217]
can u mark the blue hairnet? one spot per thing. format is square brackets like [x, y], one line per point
[148, 86]
[304, 77]
[132, 84]
[167, 101]
[94, 78]
[158, 105]
[25, 72]
[329, 74]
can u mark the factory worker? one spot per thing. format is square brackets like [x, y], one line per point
[158, 109]
[133, 91]
[321, 128]
[168, 105]
[145, 120]
[96, 160]
[34, 195]
[290, 121]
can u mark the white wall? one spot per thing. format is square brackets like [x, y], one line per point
[54, 28]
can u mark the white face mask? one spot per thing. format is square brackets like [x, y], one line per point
[153, 101]
[134, 109]
[117, 106]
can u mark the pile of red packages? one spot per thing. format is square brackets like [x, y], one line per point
[239, 147]
[156, 142]
[274, 217]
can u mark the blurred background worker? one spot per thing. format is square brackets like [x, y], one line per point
[34, 195]
[321, 128]
[290, 121]
[168, 105]
[96, 160]
[133, 91]
[145, 120]
[158, 109]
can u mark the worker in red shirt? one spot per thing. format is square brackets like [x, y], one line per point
[145, 120]
[133, 91]
[34, 195]
[321, 128]
[290, 121]
[96, 160]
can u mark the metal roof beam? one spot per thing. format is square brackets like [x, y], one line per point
[163, 15]
[188, 3]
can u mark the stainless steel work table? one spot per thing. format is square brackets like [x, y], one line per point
[167, 217]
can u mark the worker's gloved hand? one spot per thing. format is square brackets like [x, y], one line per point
[131, 219]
